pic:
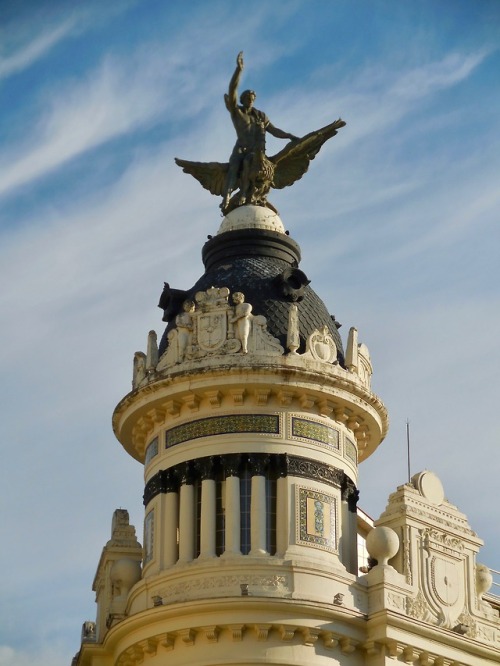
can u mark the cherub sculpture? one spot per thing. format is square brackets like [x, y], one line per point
[250, 170]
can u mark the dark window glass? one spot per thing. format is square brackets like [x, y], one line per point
[220, 519]
[271, 491]
[245, 497]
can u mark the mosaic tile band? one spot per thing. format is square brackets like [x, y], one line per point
[317, 432]
[151, 451]
[350, 450]
[268, 424]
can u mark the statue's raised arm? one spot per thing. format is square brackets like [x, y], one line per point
[249, 170]
[231, 98]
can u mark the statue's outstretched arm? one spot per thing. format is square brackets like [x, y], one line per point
[231, 98]
[280, 134]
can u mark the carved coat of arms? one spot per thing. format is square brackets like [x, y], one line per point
[210, 325]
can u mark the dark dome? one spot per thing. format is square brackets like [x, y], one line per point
[264, 266]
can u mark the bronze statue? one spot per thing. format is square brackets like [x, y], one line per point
[249, 169]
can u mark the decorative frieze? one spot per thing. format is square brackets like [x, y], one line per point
[208, 586]
[307, 429]
[312, 469]
[268, 424]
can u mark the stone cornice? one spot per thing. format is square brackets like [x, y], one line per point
[343, 641]
[336, 394]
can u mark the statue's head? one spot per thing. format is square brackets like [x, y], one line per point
[238, 297]
[247, 98]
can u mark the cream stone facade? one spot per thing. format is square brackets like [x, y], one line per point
[250, 422]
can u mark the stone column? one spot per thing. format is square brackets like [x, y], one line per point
[186, 515]
[205, 466]
[170, 521]
[258, 508]
[282, 517]
[233, 514]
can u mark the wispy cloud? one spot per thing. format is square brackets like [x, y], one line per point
[435, 76]
[83, 115]
[34, 49]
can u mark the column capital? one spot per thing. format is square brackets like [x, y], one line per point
[349, 494]
[258, 463]
[169, 481]
[185, 471]
[232, 464]
[206, 468]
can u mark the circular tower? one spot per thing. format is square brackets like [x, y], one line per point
[250, 419]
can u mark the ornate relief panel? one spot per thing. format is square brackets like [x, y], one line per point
[210, 326]
[264, 424]
[443, 575]
[316, 519]
[311, 430]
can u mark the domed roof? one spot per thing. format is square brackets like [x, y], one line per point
[263, 264]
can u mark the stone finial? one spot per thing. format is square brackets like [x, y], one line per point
[293, 333]
[351, 352]
[122, 532]
[357, 358]
[484, 580]
[124, 574]
[139, 374]
[382, 543]
[152, 351]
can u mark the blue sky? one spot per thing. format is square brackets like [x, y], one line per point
[397, 220]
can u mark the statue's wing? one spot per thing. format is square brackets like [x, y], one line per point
[212, 175]
[293, 161]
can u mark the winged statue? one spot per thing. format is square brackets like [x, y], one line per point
[249, 170]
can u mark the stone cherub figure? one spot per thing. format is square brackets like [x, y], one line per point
[184, 323]
[249, 169]
[242, 319]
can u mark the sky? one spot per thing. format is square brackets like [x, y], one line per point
[397, 219]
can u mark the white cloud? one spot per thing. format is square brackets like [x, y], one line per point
[110, 102]
[35, 49]
[435, 76]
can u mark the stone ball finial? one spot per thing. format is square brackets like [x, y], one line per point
[125, 573]
[484, 579]
[382, 543]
